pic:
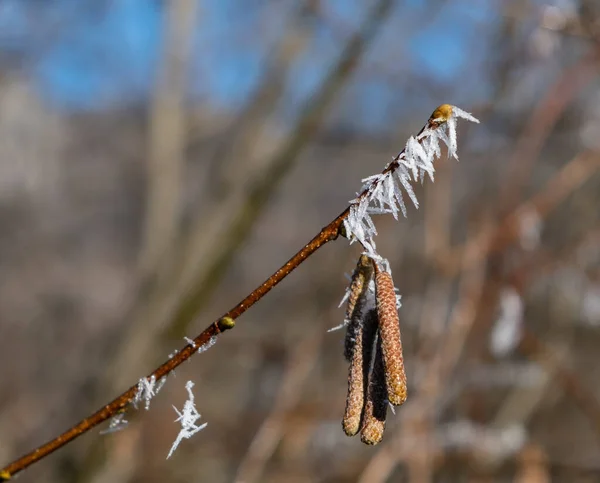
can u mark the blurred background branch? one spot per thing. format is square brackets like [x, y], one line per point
[167, 137]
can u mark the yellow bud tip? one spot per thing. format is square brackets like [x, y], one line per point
[226, 323]
[4, 476]
[442, 113]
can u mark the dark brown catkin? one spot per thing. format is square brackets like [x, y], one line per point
[358, 373]
[391, 344]
[375, 410]
[363, 273]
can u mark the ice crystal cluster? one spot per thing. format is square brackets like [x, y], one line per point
[383, 193]
[187, 417]
[147, 388]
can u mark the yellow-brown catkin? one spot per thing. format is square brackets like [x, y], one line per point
[375, 411]
[358, 374]
[358, 288]
[391, 344]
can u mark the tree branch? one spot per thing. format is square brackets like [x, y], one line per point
[123, 402]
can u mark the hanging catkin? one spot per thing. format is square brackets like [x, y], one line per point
[391, 344]
[375, 410]
[359, 345]
[363, 274]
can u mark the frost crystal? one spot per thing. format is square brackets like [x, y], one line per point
[146, 390]
[117, 423]
[203, 348]
[187, 418]
[160, 384]
[383, 193]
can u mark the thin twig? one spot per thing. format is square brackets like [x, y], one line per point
[227, 321]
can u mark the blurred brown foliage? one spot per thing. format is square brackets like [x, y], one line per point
[127, 229]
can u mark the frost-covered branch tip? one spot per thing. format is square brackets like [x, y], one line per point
[187, 418]
[382, 193]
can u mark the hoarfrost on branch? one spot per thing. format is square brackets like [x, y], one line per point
[187, 418]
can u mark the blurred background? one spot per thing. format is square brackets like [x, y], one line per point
[160, 159]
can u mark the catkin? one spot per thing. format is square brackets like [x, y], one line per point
[375, 410]
[361, 277]
[358, 374]
[391, 344]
